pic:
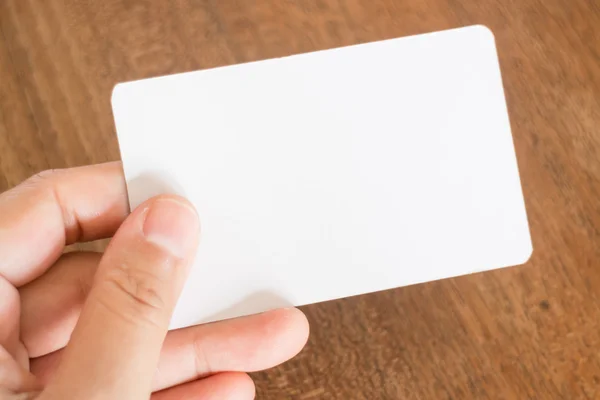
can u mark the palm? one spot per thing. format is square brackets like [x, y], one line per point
[43, 291]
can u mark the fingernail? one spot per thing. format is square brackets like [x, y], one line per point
[172, 224]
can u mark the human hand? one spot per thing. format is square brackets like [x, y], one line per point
[114, 309]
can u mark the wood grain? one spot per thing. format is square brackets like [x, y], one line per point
[530, 332]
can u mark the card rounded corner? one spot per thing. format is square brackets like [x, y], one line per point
[485, 31]
[116, 93]
[526, 256]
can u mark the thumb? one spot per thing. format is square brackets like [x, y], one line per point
[114, 350]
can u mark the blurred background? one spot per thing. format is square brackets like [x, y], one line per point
[529, 332]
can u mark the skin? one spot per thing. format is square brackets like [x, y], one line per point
[113, 309]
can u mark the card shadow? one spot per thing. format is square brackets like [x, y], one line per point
[150, 184]
[254, 304]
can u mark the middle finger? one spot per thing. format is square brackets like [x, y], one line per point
[50, 305]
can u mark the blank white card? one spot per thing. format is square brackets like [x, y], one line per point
[334, 173]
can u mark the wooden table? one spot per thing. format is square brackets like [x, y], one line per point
[530, 332]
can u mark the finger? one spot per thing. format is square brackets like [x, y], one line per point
[10, 309]
[50, 305]
[245, 344]
[56, 208]
[224, 386]
[115, 347]
[14, 377]
[9, 317]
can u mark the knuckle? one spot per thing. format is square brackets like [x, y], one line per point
[202, 363]
[140, 290]
[43, 183]
[45, 177]
[48, 185]
[37, 184]
[47, 173]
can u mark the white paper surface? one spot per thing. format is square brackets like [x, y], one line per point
[331, 174]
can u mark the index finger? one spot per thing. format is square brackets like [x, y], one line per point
[56, 208]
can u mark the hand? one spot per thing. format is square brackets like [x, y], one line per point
[113, 310]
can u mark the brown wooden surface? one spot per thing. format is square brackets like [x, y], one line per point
[530, 332]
